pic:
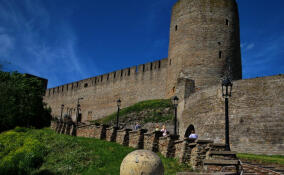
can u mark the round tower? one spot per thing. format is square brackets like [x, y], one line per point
[204, 42]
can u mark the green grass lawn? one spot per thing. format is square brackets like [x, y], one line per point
[275, 159]
[31, 151]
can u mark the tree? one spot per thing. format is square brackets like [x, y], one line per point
[21, 102]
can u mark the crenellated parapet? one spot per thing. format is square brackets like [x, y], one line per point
[135, 72]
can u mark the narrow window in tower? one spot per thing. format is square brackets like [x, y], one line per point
[77, 84]
[227, 22]
[159, 64]
[107, 76]
[62, 88]
[176, 27]
[86, 85]
[95, 80]
[102, 78]
[220, 54]
[121, 73]
[128, 71]
[151, 67]
[170, 61]
[143, 67]
[114, 75]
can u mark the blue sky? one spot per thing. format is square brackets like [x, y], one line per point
[69, 40]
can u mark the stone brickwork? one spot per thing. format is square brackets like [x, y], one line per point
[136, 138]
[100, 131]
[256, 115]
[86, 131]
[151, 141]
[100, 93]
[167, 145]
[111, 133]
[122, 137]
[198, 153]
[189, 151]
[204, 42]
[184, 149]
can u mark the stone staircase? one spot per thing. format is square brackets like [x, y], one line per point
[222, 161]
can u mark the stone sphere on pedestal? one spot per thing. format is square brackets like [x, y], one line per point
[142, 162]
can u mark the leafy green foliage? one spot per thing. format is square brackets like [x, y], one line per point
[154, 105]
[19, 153]
[32, 151]
[278, 159]
[21, 102]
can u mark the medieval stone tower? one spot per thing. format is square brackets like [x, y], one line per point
[204, 42]
[204, 47]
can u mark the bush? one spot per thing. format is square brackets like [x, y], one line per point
[20, 154]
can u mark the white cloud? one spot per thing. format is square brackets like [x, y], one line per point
[27, 42]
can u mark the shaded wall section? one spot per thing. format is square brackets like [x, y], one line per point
[100, 93]
[256, 114]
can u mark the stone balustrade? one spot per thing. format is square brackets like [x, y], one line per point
[186, 150]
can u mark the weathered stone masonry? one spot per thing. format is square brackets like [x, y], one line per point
[188, 151]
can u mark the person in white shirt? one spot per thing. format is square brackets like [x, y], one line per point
[193, 135]
[164, 130]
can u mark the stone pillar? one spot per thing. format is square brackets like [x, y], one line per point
[184, 149]
[136, 138]
[151, 141]
[53, 124]
[74, 129]
[198, 153]
[68, 129]
[60, 125]
[100, 131]
[122, 136]
[111, 134]
[167, 145]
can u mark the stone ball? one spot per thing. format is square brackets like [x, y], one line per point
[142, 162]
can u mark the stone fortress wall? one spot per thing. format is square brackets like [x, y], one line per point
[256, 115]
[100, 93]
[204, 46]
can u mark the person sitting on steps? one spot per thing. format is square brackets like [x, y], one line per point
[137, 126]
[164, 130]
[193, 135]
[157, 128]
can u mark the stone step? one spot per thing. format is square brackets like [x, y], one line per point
[220, 162]
[222, 153]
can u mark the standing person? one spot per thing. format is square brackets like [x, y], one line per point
[193, 135]
[164, 130]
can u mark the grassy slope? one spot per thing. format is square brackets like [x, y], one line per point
[277, 159]
[63, 154]
[156, 105]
